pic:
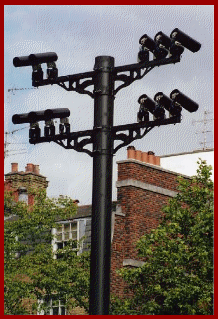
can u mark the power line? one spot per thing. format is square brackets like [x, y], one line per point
[19, 89]
[6, 143]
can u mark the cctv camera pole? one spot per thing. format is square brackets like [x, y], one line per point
[104, 134]
[102, 185]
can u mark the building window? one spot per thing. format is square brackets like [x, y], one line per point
[68, 231]
[55, 306]
[22, 195]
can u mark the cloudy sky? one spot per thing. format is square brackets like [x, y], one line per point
[79, 33]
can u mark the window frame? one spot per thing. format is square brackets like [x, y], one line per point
[55, 232]
[51, 307]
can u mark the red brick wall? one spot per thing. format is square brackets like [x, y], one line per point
[142, 209]
[146, 173]
[8, 188]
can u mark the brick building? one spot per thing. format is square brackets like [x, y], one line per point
[143, 187]
[19, 182]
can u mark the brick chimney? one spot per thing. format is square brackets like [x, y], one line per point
[14, 167]
[148, 157]
[29, 167]
[31, 178]
[36, 169]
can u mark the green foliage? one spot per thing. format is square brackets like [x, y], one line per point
[30, 270]
[177, 277]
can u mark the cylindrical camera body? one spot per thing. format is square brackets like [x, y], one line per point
[56, 113]
[36, 116]
[162, 99]
[170, 44]
[21, 61]
[184, 101]
[20, 118]
[147, 103]
[163, 39]
[152, 46]
[167, 103]
[185, 40]
[39, 58]
[147, 42]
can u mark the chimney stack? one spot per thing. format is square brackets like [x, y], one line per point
[29, 167]
[131, 152]
[14, 167]
[36, 169]
[144, 157]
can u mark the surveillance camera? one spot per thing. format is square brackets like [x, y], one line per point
[167, 103]
[35, 59]
[39, 58]
[36, 116]
[152, 46]
[185, 40]
[21, 61]
[147, 102]
[171, 45]
[184, 101]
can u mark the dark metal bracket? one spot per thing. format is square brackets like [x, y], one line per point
[128, 79]
[66, 139]
[138, 130]
[127, 139]
[136, 72]
[80, 82]
[135, 131]
[78, 87]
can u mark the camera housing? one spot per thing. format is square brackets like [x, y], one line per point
[184, 101]
[163, 100]
[149, 105]
[185, 40]
[35, 59]
[143, 55]
[171, 45]
[39, 58]
[36, 116]
[151, 45]
[21, 61]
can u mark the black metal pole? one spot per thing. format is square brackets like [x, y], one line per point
[102, 186]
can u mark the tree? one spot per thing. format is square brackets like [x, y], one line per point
[177, 276]
[31, 274]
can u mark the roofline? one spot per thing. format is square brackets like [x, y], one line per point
[22, 173]
[157, 167]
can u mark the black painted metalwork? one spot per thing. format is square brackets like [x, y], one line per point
[102, 80]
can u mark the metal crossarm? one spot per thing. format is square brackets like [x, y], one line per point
[136, 72]
[135, 131]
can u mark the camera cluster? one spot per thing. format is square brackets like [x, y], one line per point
[173, 105]
[35, 60]
[48, 116]
[162, 45]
